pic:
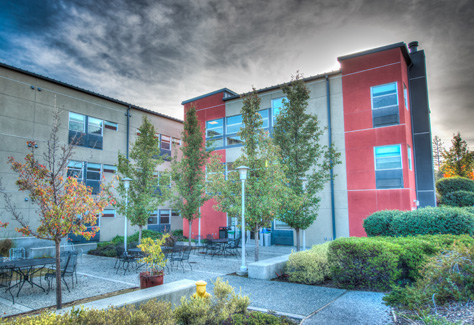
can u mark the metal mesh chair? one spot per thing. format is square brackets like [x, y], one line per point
[6, 275]
[51, 275]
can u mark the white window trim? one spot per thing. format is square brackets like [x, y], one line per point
[372, 95]
[69, 121]
[389, 145]
[409, 157]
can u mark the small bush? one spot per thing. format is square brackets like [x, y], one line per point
[378, 223]
[215, 310]
[104, 249]
[458, 199]
[445, 220]
[364, 263]
[256, 318]
[447, 277]
[5, 246]
[453, 184]
[309, 267]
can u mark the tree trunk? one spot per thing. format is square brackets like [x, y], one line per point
[256, 243]
[59, 297]
[140, 234]
[190, 224]
[297, 230]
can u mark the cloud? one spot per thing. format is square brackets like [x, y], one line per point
[158, 53]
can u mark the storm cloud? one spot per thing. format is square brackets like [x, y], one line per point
[156, 54]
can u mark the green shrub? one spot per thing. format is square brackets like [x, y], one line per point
[310, 267]
[378, 223]
[104, 249]
[215, 310]
[5, 246]
[447, 277]
[256, 318]
[458, 199]
[364, 263]
[445, 220]
[453, 184]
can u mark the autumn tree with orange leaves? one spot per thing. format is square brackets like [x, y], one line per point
[64, 204]
[458, 160]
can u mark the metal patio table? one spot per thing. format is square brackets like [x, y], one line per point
[26, 269]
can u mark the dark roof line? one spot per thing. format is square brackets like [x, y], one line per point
[307, 79]
[209, 94]
[400, 45]
[4, 65]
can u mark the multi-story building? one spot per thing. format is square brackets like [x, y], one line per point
[108, 126]
[376, 112]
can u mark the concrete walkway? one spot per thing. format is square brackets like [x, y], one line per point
[309, 304]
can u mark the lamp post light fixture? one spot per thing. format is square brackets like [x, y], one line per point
[126, 184]
[243, 176]
[304, 179]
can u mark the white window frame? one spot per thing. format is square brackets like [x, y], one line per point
[372, 95]
[405, 95]
[84, 121]
[274, 116]
[390, 145]
[409, 156]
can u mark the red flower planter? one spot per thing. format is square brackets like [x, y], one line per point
[148, 280]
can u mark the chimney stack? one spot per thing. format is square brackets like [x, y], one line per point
[413, 46]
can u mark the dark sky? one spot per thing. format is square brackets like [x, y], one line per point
[156, 54]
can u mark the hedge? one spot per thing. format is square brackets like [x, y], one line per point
[453, 184]
[378, 223]
[444, 220]
[458, 199]
[309, 267]
[378, 263]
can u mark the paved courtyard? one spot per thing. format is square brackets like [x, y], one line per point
[311, 304]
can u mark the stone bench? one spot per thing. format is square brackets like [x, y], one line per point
[265, 270]
[171, 292]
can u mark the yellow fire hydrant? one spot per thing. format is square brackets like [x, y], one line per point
[201, 290]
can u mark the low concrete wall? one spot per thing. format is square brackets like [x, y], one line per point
[51, 250]
[265, 270]
[171, 292]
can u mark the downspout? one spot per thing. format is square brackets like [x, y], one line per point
[331, 171]
[128, 127]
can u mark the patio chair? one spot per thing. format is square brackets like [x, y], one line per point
[122, 258]
[175, 255]
[70, 247]
[184, 257]
[232, 247]
[17, 253]
[51, 274]
[199, 244]
[211, 248]
[6, 276]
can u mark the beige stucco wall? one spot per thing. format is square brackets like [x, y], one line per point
[26, 114]
[321, 229]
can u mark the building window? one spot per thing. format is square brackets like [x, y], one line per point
[165, 147]
[153, 218]
[215, 133]
[176, 142]
[111, 125]
[384, 100]
[409, 158]
[74, 169]
[264, 114]
[233, 124]
[405, 96]
[175, 213]
[280, 225]
[85, 131]
[108, 213]
[277, 105]
[164, 217]
[388, 167]
[93, 177]
[110, 169]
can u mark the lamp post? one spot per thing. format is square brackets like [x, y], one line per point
[243, 176]
[126, 184]
[304, 179]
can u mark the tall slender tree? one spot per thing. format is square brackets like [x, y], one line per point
[458, 160]
[147, 189]
[60, 198]
[298, 134]
[265, 187]
[188, 173]
[438, 147]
